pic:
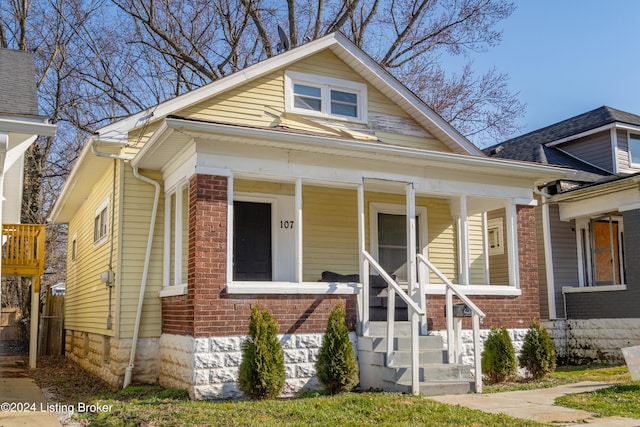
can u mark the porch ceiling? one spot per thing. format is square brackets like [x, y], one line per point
[172, 136]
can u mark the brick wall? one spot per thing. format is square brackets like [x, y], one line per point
[511, 312]
[207, 310]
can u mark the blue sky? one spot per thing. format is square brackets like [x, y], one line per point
[566, 57]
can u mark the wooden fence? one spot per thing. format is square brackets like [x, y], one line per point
[52, 325]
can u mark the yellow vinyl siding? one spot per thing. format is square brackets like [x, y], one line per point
[245, 104]
[136, 215]
[476, 250]
[330, 231]
[247, 186]
[86, 300]
[261, 102]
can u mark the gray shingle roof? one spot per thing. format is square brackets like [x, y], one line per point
[530, 147]
[17, 83]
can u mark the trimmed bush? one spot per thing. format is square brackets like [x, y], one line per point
[336, 367]
[538, 354]
[261, 373]
[499, 358]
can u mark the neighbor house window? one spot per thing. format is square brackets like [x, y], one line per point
[101, 222]
[323, 96]
[495, 236]
[634, 149]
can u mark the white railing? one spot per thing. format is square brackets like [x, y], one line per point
[454, 335]
[416, 311]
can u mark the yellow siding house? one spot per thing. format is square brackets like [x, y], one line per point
[309, 177]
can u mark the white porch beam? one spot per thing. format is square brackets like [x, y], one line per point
[512, 244]
[298, 229]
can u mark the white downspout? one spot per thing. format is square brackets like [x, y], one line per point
[143, 284]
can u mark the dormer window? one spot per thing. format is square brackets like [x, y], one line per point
[325, 97]
[634, 149]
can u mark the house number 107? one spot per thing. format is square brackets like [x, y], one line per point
[286, 224]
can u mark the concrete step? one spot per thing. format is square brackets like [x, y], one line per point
[433, 388]
[370, 343]
[427, 372]
[402, 358]
[379, 329]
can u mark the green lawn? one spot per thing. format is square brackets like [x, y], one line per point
[619, 400]
[157, 407]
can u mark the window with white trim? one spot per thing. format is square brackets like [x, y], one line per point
[101, 222]
[495, 236]
[325, 96]
[634, 149]
[177, 234]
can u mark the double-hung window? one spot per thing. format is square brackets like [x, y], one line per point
[101, 222]
[634, 149]
[324, 96]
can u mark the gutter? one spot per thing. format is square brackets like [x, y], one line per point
[145, 271]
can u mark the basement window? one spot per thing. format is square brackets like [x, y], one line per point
[325, 97]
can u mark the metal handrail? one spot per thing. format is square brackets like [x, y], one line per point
[452, 337]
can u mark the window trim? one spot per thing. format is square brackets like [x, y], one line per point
[376, 208]
[177, 238]
[495, 223]
[326, 84]
[98, 239]
[631, 162]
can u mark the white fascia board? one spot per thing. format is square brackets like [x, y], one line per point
[258, 136]
[120, 129]
[28, 126]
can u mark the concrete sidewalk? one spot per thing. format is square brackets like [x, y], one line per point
[538, 405]
[21, 401]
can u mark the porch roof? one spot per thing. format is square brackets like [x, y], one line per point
[168, 141]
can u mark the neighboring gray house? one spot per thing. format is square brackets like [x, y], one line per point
[589, 252]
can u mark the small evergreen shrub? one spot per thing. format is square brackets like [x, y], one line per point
[262, 373]
[538, 354]
[336, 367]
[499, 358]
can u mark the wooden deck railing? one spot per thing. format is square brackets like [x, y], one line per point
[23, 249]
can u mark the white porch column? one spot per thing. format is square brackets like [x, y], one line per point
[363, 297]
[463, 239]
[512, 244]
[298, 229]
[230, 228]
[548, 255]
[413, 287]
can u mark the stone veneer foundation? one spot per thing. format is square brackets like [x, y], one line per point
[593, 340]
[208, 367]
[107, 357]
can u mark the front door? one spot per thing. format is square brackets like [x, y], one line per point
[252, 258]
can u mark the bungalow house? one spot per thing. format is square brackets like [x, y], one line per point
[22, 247]
[309, 177]
[588, 270]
